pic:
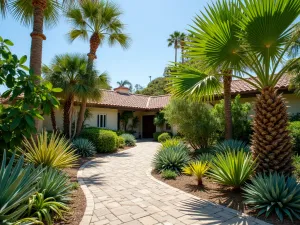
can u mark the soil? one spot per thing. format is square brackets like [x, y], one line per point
[218, 194]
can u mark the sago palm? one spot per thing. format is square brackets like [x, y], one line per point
[69, 73]
[262, 39]
[97, 21]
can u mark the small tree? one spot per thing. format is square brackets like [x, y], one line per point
[160, 120]
[125, 117]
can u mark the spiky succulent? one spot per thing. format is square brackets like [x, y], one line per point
[274, 192]
[231, 145]
[84, 147]
[205, 157]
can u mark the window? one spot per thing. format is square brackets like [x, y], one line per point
[101, 121]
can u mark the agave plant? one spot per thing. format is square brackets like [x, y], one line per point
[197, 169]
[43, 208]
[84, 147]
[274, 192]
[232, 168]
[55, 184]
[231, 145]
[17, 184]
[205, 157]
[56, 152]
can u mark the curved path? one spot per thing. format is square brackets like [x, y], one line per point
[120, 190]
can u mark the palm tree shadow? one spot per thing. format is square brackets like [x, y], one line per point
[232, 199]
[195, 188]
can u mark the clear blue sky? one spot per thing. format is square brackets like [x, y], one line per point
[149, 23]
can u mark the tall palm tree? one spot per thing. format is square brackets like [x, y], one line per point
[69, 73]
[124, 83]
[183, 38]
[261, 41]
[174, 41]
[100, 20]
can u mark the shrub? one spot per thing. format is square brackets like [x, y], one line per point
[274, 192]
[55, 184]
[156, 134]
[170, 159]
[231, 145]
[163, 137]
[232, 168]
[121, 142]
[296, 164]
[56, 153]
[84, 147]
[104, 140]
[171, 142]
[197, 169]
[178, 147]
[129, 139]
[168, 174]
[44, 208]
[205, 157]
[194, 120]
[294, 128]
[17, 184]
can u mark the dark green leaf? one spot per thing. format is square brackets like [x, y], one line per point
[29, 120]
[9, 81]
[6, 93]
[15, 123]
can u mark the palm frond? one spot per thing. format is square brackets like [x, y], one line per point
[74, 34]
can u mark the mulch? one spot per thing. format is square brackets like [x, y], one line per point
[218, 194]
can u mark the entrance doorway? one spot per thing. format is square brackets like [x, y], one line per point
[148, 127]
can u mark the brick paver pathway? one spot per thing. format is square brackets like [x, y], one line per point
[120, 190]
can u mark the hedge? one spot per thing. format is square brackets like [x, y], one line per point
[163, 137]
[156, 134]
[104, 140]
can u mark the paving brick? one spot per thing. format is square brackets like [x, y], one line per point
[148, 220]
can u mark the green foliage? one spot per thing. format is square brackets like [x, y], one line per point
[75, 185]
[231, 145]
[294, 128]
[44, 208]
[205, 157]
[163, 137]
[121, 142]
[129, 139]
[155, 87]
[296, 164]
[294, 117]
[56, 152]
[17, 120]
[170, 159]
[168, 174]
[17, 184]
[176, 147]
[171, 142]
[159, 120]
[84, 147]
[241, 125]
[274, 192]
[156, 134]
[232, 168]
[194, 120]
[104, 140]
[55, 184]
[197, 169]
[125, 117]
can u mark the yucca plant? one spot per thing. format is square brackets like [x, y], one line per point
[17, 184]
[273, 192]
[84, 147]
[248, 38]
[44, 208]
[170, 159]
[55, 184]
[56, 153]
[232, 168]
[231, 145]
[197, 169]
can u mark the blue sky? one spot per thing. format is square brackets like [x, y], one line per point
[149, 23]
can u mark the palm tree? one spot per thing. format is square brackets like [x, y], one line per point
[259, 44]
[124, 83]
[183, 38]
[100, 19]
[69, 73]
[174, 40]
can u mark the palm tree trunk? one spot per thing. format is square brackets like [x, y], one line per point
[271, 142]
[80, 118]
[182, 57]
[37, 38]
[53, 119]
[67, 108]
[227, 105]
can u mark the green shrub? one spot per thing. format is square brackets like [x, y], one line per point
[163, 137]
[168, 174]
[171, 142]
[121, 142]
[296, 164]
[231, 145]
[129, 139]
[104, 140]
[194, 120]
[274, 193]
[170, 159]
[232, 168]
[17, 184]
[55, 184]
[205, 157]
[84, 147]
[178, 147]
[294, 128]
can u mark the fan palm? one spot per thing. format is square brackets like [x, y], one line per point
[124, 83]
[174, 41]
[260, 40]
[69, 73]
[101, 19]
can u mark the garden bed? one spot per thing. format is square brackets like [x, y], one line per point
[218, 194]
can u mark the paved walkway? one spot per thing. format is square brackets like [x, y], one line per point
[120, 190]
